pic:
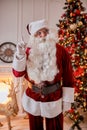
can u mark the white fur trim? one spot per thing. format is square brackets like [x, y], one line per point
[37, 25]
[19, 65]
[68, 94]
[51, 109]
[66, 106]
[44, 109]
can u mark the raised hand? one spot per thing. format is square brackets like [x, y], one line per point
[21, 47]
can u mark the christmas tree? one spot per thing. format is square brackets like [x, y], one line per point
[72, 33]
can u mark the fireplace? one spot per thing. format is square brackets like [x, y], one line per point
[8, 102]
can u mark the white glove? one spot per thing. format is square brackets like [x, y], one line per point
[21, 47]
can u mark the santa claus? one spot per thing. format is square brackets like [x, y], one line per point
[46, 65]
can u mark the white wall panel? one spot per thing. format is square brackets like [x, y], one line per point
[39, 9]
[55, 12]
[8, 20]
[27, 17]
[32, 10]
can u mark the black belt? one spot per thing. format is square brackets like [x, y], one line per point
[47, 89]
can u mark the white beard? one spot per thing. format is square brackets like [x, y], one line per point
[41, 63]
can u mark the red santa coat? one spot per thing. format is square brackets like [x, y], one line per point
[50, 105]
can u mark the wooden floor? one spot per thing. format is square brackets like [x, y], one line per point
[17, 123]
[21, 123]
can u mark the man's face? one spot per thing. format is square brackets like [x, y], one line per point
[42, 33]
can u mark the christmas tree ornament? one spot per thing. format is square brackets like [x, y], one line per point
[80, 23]
[73, 26]
[77, 12]
[85, 39]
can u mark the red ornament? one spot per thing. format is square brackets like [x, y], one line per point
[64, 15]
[77, 12]
[70, 50]
[78, 72]
[61, 32]
[71, 111]
[77, 58]
[77, 89]
[78, 35]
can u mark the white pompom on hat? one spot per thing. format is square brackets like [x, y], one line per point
[37, 25]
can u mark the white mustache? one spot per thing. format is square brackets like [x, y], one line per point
[42, 39]
[34, 41]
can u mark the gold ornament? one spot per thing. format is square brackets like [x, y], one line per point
[84, 104]
[80, 23]
[73, 26]
[85, 54]
[85, 39]
[71, 14]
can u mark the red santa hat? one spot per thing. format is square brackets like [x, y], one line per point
[33, 27]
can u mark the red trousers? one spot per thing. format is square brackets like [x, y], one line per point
[36, 123]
